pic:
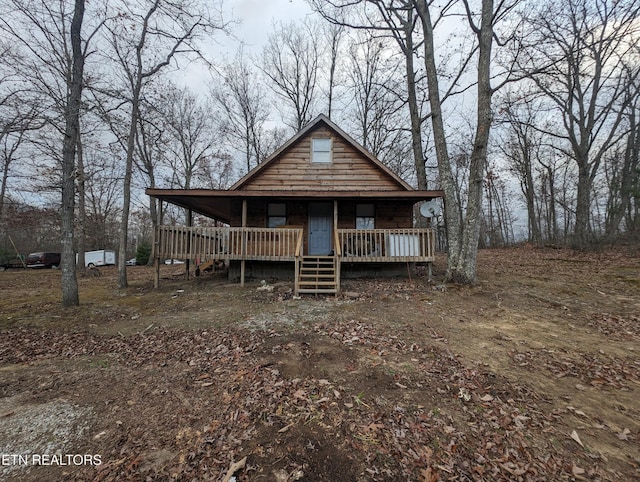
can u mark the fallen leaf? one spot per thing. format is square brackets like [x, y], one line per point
[576, 437]
[624, 435]
[284, 429]
[234, 468]
[429, 475]
[487, 398]
[577, 470]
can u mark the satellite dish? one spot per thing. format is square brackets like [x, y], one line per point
[430, 209]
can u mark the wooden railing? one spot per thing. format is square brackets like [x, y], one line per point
[269, 244]
[286, 244]
[386, 245]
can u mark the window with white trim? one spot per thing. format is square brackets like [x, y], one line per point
[321, 150]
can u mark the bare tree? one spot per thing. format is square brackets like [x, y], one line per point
[150, 146]
[291, 60]
[623, 174]
[463, 230]
[190, 134]
[577, 58]
[333, 33]
[53, 57]
[103, 196]
[15, 124]
[71, 139]
[372, 75]
[378, 103]
[243, 108]
[397, 20]
[521, 147]
[146, 39]
[498, 218]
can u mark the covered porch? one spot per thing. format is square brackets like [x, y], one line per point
[284, 244]
[315, 235]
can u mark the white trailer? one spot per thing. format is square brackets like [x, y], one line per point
[101, 257]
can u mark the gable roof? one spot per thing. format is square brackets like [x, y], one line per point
[319, 121]
[219, 203]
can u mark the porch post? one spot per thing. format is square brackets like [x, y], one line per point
[244, 242]
[337, 250]
[156, 248]
[188, 260]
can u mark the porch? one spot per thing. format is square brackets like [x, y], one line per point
[313, 274]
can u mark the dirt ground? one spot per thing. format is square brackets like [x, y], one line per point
[532, 374]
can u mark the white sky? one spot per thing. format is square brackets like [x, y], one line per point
[255, 20]
[257, 16]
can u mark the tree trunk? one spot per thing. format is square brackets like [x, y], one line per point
[582, 232]
[82, 211]
[126, 203]
[463, 234]
[465, 270]
[72, 133]
[414, 111]
[628, 178]
[451, 204]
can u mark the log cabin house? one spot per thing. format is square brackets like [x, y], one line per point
[320, 208]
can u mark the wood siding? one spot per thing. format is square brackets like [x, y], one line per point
[348, 171]
[388, 215]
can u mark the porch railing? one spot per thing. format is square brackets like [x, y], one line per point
[387, 245]
[286, 244]
[204, 243]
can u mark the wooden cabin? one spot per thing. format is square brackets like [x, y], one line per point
[320, 208]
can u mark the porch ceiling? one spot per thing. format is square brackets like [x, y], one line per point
[218, 204]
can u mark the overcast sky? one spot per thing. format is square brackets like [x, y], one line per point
[256, 18]
[254, 22]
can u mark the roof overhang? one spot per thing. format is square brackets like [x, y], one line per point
[218, 204]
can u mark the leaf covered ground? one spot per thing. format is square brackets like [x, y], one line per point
[532, 374]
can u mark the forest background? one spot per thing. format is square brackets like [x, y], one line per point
[524, 111]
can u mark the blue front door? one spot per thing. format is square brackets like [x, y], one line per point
[320, 219]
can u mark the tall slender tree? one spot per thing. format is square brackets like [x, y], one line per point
[463, 228]
[146, 39]
[71, 139]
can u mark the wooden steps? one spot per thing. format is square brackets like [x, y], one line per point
[317, 274]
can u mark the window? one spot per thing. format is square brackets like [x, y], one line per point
[365, 216]
[276, 215]
[321, 150]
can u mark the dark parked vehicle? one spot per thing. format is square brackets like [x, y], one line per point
[43, 260]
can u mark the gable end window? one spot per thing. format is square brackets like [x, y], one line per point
[321, 150]
[276, 215]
